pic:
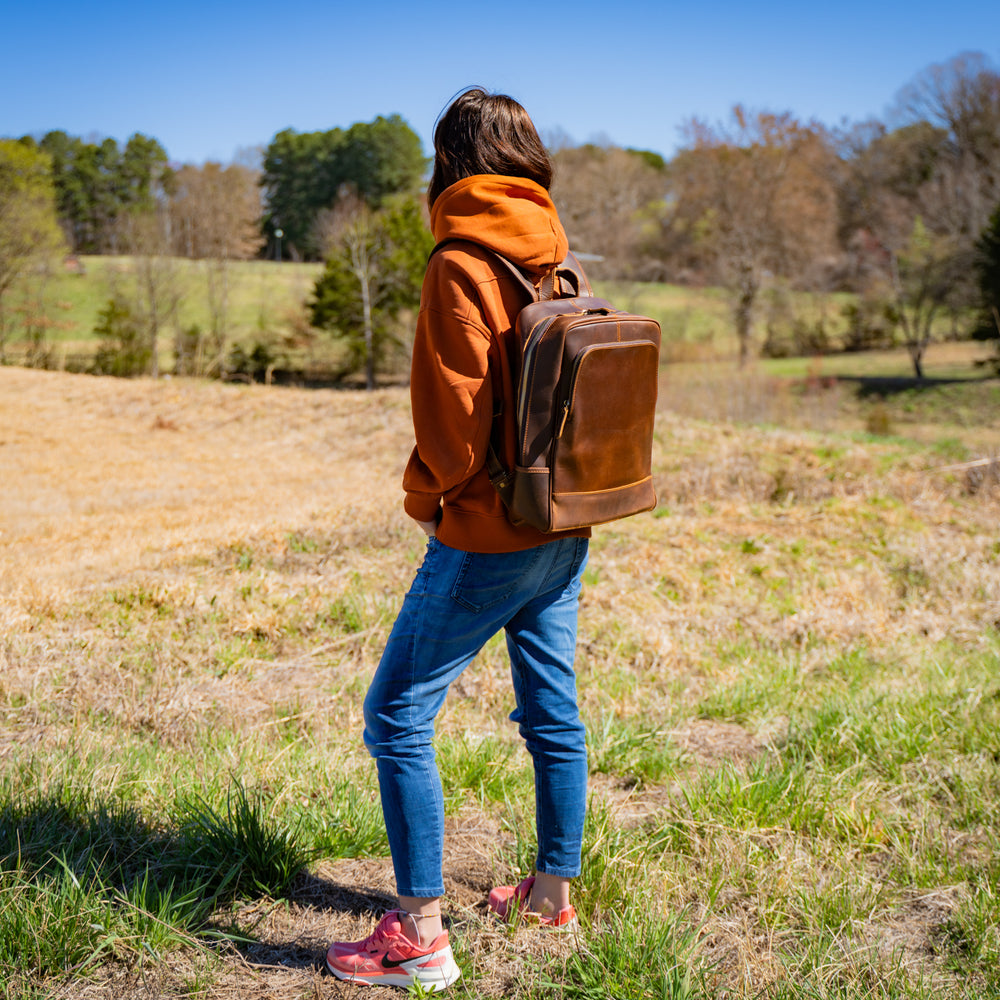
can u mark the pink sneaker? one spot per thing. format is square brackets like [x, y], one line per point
[387, 957]
[507, 900]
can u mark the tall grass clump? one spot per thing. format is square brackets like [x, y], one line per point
[87, 879]
[239, 848]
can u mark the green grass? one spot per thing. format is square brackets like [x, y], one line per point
[239, 848]
[87, 879]
[488, 769]
[790, 686]
[884, 762]
[634, 751]
[698, 319]
[266, 304]
[638, 954]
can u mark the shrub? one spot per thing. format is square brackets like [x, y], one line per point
[242, 848]
[792, 329]
[988, 279]
[878, 422]
[250, 362]
[871, 324]
[124, 350]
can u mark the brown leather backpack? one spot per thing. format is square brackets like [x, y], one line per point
[586, 398]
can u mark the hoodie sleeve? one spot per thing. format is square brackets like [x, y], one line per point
[451, 393]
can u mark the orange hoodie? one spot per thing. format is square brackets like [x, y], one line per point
[461, 356]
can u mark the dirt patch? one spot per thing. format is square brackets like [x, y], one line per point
[709, 741]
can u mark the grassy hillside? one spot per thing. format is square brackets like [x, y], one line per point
[265, 300]
[789, 673]
[266, 303]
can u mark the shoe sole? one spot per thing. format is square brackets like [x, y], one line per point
[432, 980]
[518, 916]
[518, 920]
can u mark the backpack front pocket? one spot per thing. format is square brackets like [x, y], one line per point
[604, 432]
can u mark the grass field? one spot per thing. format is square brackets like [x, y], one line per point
[266, 304]
[789, 673]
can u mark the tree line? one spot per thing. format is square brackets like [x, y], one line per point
[231, 210]
[311, 193]
[905, 213]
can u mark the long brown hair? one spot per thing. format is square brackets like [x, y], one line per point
[483, 133]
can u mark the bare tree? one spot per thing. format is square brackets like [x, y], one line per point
[374, 267]
[350, 228]
[155, 290]
[962, 98]
[215, 217]
[215, 212]
[607, 197]
[879, 176]
[757, 200]
[924, 192]
[926, 275]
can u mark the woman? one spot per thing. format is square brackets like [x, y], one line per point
[480, 573]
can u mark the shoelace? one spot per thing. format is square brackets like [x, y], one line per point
[381, 932]
[378, 935]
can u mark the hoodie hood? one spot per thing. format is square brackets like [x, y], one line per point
[511, 215]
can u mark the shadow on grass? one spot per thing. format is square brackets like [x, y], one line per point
[88, 837]
[226, 849]
[118, 886]
[323, 894]
[883, 386]
[306, 951]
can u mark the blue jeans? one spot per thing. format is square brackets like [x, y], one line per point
[457, 602]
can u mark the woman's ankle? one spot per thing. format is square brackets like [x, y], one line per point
[549, 894]
[421, 919]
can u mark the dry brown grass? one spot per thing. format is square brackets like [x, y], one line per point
[171, 550]
[103, 479]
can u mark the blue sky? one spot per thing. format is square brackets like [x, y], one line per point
[208, 78]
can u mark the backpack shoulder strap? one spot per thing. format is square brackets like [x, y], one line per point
[566, 279]
[571, 273]
[499, 475]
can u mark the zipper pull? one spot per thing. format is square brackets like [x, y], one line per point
[565, 417]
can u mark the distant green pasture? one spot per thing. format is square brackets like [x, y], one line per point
[262, 295]
[697, 325]
[266, 301]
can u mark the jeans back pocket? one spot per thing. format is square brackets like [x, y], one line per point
[487, 579]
